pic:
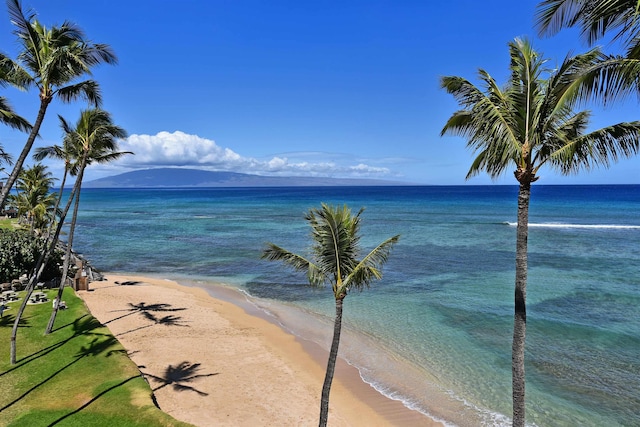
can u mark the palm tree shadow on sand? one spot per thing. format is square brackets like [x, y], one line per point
[143, 309]
[178, 377]
[169, 320]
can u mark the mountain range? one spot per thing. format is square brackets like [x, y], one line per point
[178, 177]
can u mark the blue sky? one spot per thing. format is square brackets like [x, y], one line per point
[327, 88]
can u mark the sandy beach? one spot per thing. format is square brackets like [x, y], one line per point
[210, 363]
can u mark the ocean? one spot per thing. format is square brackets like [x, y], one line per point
[436, 331]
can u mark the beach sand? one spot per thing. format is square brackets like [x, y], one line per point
[210, 363]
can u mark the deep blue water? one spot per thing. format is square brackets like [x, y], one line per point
[436, 330]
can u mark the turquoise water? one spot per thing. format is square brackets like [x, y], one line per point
[436, 331]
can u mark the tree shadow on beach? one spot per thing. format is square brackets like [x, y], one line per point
[143, 308]
[118, 284]
[178, 377]
[169, 320]
[128, 283]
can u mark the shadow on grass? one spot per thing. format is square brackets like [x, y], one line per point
[178, 377]
[81, 326]
[68, 324]
[8, 319]
[98, 396]
[94, 348]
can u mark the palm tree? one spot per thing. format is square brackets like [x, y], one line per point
[51, 59]
[34, 201]
[93, 139]
[334, 259]
[528, 124]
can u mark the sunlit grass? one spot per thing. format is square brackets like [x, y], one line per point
[8, 223]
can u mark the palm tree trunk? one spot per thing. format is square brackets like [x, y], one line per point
[14, 331]
[520, 316]
[67, 258]
[58, 200]
[331, 364]
[44, 103]
[42, 261]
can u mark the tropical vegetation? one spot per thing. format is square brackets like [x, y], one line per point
[334, 259]
[34, 200]
[528, 124]
[19, 254]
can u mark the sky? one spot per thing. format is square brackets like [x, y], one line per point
[297, 88]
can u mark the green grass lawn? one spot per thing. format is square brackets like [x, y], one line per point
[8, 223]
[79, 375]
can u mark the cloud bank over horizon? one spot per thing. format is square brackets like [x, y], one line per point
[179, 149]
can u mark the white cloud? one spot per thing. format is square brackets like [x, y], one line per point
[183, 150]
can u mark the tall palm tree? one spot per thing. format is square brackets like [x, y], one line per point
[52, 59]
[528, 124]
[93, 139]
[334, 259]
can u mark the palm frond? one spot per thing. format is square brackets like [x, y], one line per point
[488, 122]
[297, 262]
[599, 148]
[11, 119]
[5, 157]
[88, 90]
[336, 235]
[595, 18]
[370, 267]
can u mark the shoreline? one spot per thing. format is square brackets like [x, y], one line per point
[242, 368]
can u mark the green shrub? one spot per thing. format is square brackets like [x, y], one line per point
[19, 252]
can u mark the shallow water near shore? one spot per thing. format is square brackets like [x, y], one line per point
[435, 332]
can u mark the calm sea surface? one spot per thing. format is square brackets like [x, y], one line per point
[436, 331]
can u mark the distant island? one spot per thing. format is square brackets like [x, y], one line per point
[178, 177]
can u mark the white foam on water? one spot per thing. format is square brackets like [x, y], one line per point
[591, 226]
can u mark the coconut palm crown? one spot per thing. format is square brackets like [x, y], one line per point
[525, 125]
